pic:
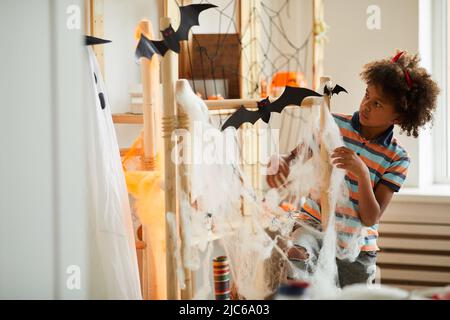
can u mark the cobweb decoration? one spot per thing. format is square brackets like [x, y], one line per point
[256, 240]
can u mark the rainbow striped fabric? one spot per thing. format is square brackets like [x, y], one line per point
[222, 281]
[388, 164]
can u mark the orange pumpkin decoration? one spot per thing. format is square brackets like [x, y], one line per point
[215, 97]
[282, 79]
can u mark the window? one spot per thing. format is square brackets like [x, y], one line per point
[441, 72]
[447, 100]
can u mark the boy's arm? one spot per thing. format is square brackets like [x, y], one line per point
[280, 166]
[278, 171]
[384, 196]
[372, 203]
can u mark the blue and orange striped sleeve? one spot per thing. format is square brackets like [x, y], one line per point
[278, 178]
[278, 168]
[395, 174]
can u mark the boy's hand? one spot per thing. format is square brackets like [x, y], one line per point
[345, 158]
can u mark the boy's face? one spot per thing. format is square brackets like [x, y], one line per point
[376, 109]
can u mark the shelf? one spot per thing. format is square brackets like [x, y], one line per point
[128, 118]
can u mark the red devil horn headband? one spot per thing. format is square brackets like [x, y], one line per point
[397, 57]
[407, 75]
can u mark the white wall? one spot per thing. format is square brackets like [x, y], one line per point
[122, 73]
[352, 45]
[43, 213]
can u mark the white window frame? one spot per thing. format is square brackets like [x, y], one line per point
[441, 128]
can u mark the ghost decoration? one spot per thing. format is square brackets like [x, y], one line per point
[114, 270]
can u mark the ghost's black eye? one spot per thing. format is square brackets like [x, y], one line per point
[102, 100]
[95, 77]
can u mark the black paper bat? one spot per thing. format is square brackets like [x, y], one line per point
[336, 90]
[290, 96]
[189, 18]
[147, 48]
[91, 41]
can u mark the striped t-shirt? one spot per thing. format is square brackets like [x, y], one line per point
[388, 164]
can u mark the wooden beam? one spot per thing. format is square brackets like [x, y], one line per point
[318, 44]
[385, 242]
[416, 230]
[412, 259]
[169, 68]
[410, 275]
[96, 21]
[185, 49]
[128, 118]
[249, 32]
[150, 97]
[91, 16]
[183, 124]
[230, 105]
[325, 165]
[171, 11]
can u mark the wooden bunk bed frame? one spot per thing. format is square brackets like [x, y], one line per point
[174, 118]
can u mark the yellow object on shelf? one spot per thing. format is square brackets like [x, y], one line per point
[147, 189]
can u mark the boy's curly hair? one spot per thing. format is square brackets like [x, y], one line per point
[415, 105]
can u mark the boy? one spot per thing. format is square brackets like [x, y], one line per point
[399, 92]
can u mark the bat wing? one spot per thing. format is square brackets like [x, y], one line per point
[91, 41]
[241, 116]
[189, 18]
[338, 89]
[291, 96]
[147, 48]
[172, 43]
[160, 47]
